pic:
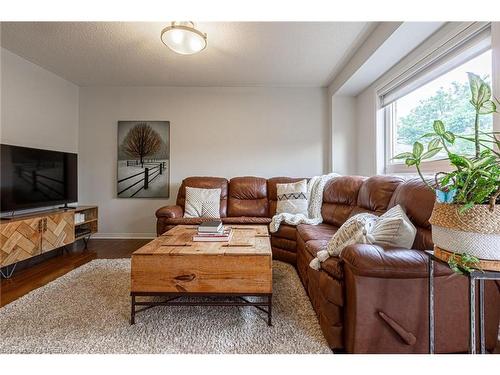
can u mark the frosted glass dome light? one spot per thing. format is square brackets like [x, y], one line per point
[183, 38]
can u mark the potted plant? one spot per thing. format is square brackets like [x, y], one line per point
[466, 218]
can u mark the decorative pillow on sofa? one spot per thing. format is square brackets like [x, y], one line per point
[392, 229]
[292, 198]
[202, 203]
[354, 230]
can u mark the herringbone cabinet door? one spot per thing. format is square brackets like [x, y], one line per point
[58, 230]
[19, 240]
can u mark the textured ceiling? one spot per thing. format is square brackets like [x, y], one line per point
[238, 53]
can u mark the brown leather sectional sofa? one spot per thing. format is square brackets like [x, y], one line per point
[370, 299]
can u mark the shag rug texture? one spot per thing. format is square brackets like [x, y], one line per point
[88, 311]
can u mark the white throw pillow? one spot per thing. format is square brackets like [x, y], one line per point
[202, 203]
[393, 229]
[292, 198]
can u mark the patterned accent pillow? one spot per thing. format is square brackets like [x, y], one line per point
[393, 229]
[354, 230]
[202, 203]
[292, 198]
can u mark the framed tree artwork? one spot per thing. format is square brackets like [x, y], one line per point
[143, 159]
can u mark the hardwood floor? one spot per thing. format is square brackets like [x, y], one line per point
[25, 280]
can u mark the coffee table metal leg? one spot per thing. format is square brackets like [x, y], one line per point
[269, 309]
[132, 311]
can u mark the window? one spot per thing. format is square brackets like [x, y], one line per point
[433, 87]
[445, 98]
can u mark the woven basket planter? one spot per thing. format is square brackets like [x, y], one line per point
[475, 232]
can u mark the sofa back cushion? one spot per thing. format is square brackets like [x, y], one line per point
[272, 192]
[205, 183]
[375, 194]
[248, 197]
[340, 197]
[418, 201]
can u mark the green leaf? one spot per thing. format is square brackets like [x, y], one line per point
[484, 93]
[427, 135]
[449, 136]
[403, 155]
[459, 161]
[474, 84]
[418, 148]
[484, 161]
[438, 127]
[488, 107]
[410, 161]
[429, 154]
[434, 143]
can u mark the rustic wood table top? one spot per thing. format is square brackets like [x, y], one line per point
[246, 240]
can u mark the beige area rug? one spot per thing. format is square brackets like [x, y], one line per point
[88, 309]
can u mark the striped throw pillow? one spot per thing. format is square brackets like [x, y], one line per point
[393, 229]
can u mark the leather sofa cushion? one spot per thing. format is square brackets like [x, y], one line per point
[284, 255]
[286, 231]
[313, 246]
[272, 191]
[284, 244]
[375, 261]
[169, 212]
[248, 197]
[423, 240]
[339, 198]
[332, 266]
[316, 232]
[375, 193]
[418, 201]
[205, 183]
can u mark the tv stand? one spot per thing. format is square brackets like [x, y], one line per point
[26, 236]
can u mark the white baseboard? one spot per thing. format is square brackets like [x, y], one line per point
[124, 235]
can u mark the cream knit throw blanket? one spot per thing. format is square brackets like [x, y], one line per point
[315, 188]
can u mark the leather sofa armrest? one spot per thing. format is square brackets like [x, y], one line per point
[392, 263]
[170, 212]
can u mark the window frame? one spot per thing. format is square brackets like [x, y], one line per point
[428, 166]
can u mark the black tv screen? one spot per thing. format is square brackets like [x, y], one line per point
[33, 178]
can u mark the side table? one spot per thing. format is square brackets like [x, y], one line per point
[473, 276]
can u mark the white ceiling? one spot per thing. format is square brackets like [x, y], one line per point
[238, 53]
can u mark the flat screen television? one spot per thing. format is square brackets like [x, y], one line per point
[32, 178]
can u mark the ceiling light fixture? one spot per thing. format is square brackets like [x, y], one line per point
[183, 38]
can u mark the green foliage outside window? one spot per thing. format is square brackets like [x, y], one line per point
[452, 106]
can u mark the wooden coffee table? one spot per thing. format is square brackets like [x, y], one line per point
[174, 266]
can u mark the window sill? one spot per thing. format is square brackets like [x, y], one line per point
[427, 168]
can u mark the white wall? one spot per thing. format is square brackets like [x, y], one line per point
[214, 131]
[366, 132]
[38, 108]
[344, 137]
